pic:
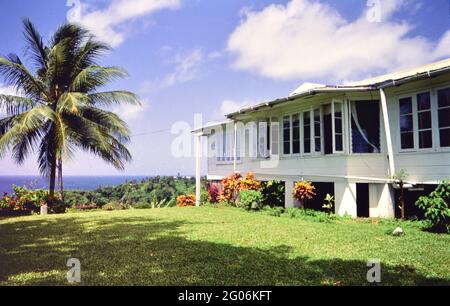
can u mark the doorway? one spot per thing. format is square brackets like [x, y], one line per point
[362, 200]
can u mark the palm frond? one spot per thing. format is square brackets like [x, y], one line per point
[110, 98]
[16, 75]
[15, 105]
[94, 76]
[36, 47]
[87, 55]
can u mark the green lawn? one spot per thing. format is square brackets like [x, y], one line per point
[214, 246]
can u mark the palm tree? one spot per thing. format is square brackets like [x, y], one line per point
[61, 105]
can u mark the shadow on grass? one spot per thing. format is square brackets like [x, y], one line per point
[143, 251]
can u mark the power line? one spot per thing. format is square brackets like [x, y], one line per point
[151, 133]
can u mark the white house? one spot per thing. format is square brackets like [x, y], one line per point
[348, 139]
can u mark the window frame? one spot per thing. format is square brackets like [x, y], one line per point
[436, 122]
[333, 123]
[415, 113]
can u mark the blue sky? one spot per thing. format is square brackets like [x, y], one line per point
[209, 57]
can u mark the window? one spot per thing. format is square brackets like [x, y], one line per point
[296, 134]
[317, 131]
[307, 132]
[406, 124]
[424, 120]
[287, 135]
[416, 123]
[275, 136]
[365, 126]
[444, 117]
[263, 139]
[338, 126]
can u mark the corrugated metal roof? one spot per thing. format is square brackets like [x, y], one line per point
[387, 80]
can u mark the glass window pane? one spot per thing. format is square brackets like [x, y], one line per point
[296, 134]
[287, 148]
[338, 110]
[365, 126]
[425, 139]
[444, 117]
[339, 143]
[307, 146]
[445, 138]
[423, 101]
[405, 106]
[287, 135]
[408, 140]
[444, 97]
[338, 126]
[318, 144]
[424, 120]
[406, 123]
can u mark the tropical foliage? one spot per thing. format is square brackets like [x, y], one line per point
[233, 184]
[26, 201]
[436, 208]
[250, 199]
[186, 200]
[60, 105]
[159, 191]
[304, 191]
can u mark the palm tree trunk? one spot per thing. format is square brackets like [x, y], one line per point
[60, 180]
[51, 190]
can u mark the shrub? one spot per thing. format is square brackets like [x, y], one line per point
[114, 206]
[186, 200]
[234, 184]
[230, 188]
[273, 192]
[436, 208]
[86, 207]
[303, 191]
[26, 200]
[249, 182]
[213, 193]
[250, 199]
[328, 204]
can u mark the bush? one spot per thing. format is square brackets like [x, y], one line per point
[273, 192]
[274, 211]
[230, 188]
[303, 191]
[234, 184]
[24, 200]
[114, 206]
[436, 208]
[250, 199]
[186, 200]
[213, 193]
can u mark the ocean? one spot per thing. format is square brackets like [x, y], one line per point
[70, 182]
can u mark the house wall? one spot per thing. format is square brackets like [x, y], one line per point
[346, 169]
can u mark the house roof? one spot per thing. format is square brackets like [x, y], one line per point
[210, 125]
[384, 81]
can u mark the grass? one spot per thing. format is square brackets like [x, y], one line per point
[215, 246]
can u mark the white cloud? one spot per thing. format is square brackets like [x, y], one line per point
[111, 24]
[309, 39]
[229, 106]
[131, 112]
[187, 67]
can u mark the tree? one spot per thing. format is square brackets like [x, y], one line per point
[60, 105]
[400, 178]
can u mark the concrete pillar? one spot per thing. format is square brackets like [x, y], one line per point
[345, 198]
[382, 201]
[288, 199]
[198, 156]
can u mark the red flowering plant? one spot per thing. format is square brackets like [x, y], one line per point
[23, 200]
[234, 184]
[213, 193]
